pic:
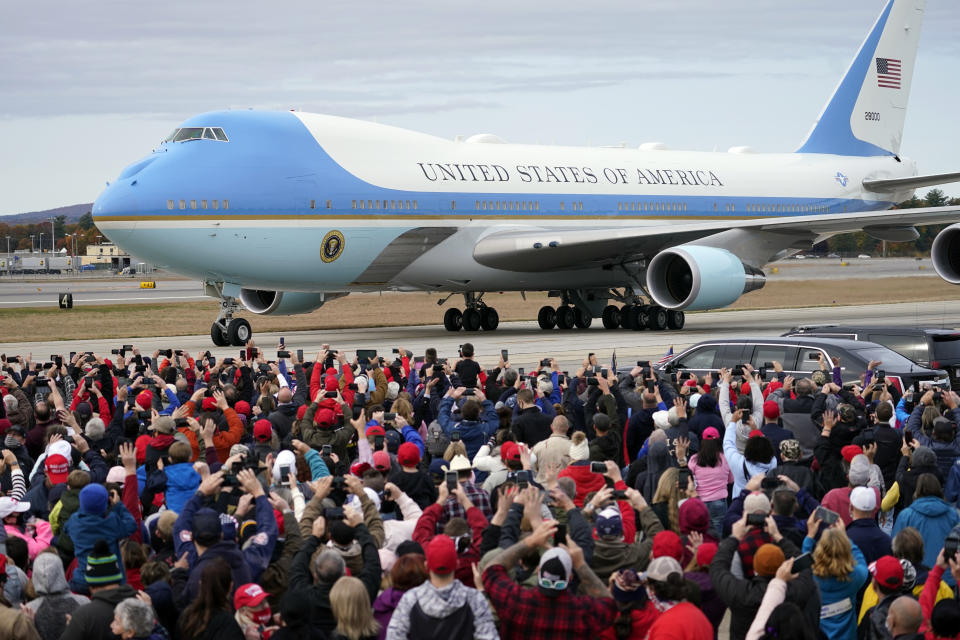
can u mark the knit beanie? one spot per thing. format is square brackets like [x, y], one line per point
[94, 499]
[579, 449]
[102, 566]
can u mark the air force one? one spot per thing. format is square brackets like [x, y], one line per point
[284, 211]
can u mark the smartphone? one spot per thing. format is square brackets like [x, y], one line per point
[284, 473]
[651, 385]
[643, 363]
[756, 520]
[598, 467]
[745, 415]
[881, 375]
[326, 450]
[916, 386]
[333, 513]
[523, 479]
[283, 354]
[282, 342]
[243, 354]
[520, 371]
[503, 355]
[828, 517]
[603, 372]
[451, 480]
[211, 362]
[365, 355]
[330, 394]
[802, 562]
[378, 442]
[769, 484]
[418, 360]
[181, 422]
[908, 436]
[560, 535]
[228, 361]
[455, 436]
[683, 479]
[469, 392]
[813, 355]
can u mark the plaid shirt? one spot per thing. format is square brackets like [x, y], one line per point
[452, 508]
[527, 614]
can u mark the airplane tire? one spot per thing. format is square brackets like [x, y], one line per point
[566, 318]
[453, 319]
[676, 319]
[471, 320]
[219, 335]
[580, 319]
[489, 319]
[547, 318]
[657, 318]
[611, 317]
[239, 332]
[628, 317]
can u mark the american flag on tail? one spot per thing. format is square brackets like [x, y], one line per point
[666, 356]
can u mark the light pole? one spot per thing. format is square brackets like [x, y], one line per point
[40, 242]
[8, 255]
[53, 237]
[32, 236]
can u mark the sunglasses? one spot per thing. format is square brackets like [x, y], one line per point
[558, 585]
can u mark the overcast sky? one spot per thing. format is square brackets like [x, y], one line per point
[89, 86]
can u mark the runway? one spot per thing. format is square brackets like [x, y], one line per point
[36, 291]
[527, 344]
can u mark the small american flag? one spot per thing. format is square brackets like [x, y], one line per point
[613, 362]
[888, 73]
[666, 356]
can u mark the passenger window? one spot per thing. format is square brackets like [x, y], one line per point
[183, 204]
[702, 358]
[353, 204]
[193, 204]
[216, 204]
[313, 204]
[169, 204]
[910, 347]
[329, 204]
[808, 361]
[203, 204]
[226, 204]
[785, 355]
[453, 205]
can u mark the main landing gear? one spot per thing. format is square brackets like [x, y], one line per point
[229, 331]
[579, 307]
[637, 317]
[477, 315]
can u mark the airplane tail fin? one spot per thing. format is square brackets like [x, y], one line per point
[865, 114]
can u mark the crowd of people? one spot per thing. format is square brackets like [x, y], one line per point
[171, 496]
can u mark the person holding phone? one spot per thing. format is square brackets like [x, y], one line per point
[478, 418]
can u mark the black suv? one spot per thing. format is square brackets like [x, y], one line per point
[933, 348]
[799, 357]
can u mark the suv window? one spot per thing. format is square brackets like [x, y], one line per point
[702, 358]
[946, 347]
[785, 354]
[910, 345]
[806, 363]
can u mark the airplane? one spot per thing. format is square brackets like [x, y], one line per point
[284, 211]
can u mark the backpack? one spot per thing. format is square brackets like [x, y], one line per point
[437, 441]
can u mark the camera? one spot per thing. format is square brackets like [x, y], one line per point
[619, 494]
[166, 353]
[738, 370]
[389, 416]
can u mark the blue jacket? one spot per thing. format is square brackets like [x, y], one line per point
[838, 599]
[178, 482]
[871, 539]
[85, 529]
[473, 433]
[934, 519]
[255, 556]
[951, 492]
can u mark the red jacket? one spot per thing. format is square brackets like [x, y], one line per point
[426, 529]
[640, 622]
[587, 482]
[683, 621]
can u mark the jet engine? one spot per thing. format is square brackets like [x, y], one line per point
[946, 254]
[694, 277]
[284, 303]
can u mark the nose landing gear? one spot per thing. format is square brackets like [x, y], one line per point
[229, 331]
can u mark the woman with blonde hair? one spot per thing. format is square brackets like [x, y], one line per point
[666, 500]
[839, 570]
[351, 608]
[455, 449]
[402, 407]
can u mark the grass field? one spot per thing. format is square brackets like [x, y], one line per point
[390, 309]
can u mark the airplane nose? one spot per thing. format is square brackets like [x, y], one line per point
[114, 209]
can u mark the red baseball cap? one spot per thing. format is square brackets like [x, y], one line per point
[442, 555]
[888, 571]
[381, 461]
[243, 407]
[325, 417]
[408, 454]
[145, 400]
[209, 404]
[771, 410]
[705, 553]
[331, 384]
[58, 468]
[756, 433]
[509, 451]
[375, 430]
[850, 452]
[252, 595]
[262, 430]
[358, 468]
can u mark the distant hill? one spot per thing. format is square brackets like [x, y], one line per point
[72, 212]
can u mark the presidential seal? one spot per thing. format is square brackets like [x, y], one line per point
[332, 246]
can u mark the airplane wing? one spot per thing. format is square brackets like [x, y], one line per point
[548, 249]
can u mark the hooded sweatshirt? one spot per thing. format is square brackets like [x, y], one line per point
[658, 461]
[455, 611]
[838, 613]
[383, 608]
[54, 600]
[934, 519]
[707, 415]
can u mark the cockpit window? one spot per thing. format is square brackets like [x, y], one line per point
[184, 134]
